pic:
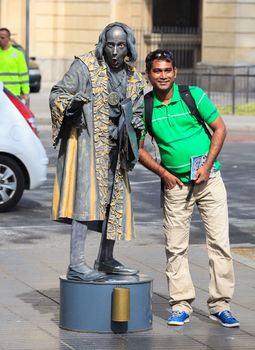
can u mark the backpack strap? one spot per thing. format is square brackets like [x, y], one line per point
[148, 104]
[189, 100]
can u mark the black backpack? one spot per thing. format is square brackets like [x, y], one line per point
[187, 98]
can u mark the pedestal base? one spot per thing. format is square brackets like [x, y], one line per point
[87, 306]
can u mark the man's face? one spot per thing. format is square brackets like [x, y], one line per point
[162, 75]
[115, 49]
[4, 40]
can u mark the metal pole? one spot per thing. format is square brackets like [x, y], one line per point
[233, 94]
[248, 86]
[209, 83]
[27, 31]
[27, 39]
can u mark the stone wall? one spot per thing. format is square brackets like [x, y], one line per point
[228, 32]
[60, 29]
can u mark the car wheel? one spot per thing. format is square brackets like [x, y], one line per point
[12, 183]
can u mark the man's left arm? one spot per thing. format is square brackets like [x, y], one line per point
[219, 134]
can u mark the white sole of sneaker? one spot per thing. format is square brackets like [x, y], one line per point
[233, 325]
[178, 323]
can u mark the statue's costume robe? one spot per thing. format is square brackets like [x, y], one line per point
[81, 184]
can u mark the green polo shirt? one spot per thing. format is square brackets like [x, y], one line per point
[178, 133]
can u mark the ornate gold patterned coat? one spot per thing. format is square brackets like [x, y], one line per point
[81, 182]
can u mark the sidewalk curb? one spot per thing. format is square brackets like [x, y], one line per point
[233, 123]
[239, 123]
[244, 261]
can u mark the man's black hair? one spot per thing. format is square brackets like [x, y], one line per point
[6, 30]
[159, 54]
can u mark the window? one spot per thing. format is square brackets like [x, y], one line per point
[181, 14]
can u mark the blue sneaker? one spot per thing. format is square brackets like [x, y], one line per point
[178, 318]
[225, 318]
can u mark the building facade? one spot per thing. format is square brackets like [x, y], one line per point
[207, 32]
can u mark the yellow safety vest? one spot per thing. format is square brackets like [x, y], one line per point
[14, 71]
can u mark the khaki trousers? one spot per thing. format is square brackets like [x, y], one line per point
[211, 200]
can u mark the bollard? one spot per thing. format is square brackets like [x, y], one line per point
[121, 304]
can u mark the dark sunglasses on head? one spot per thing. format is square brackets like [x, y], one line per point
[163, 54]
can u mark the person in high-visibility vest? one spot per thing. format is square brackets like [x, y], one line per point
[13, 67]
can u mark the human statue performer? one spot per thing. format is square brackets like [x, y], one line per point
[96, 114]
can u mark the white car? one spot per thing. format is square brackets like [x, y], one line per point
[23, 160]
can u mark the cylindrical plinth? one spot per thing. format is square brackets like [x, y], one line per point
[87, 306]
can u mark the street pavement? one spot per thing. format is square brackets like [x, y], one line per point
[31, 265]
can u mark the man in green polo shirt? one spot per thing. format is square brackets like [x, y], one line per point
[189, 170]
